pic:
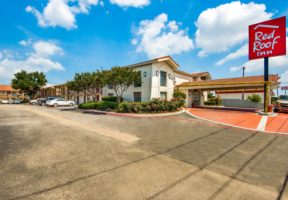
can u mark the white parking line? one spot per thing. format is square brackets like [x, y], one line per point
[262, 124]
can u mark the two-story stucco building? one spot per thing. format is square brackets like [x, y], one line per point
[159, 77]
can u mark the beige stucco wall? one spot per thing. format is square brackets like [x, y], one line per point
[145, 88]
[151, 83]
[239, 95]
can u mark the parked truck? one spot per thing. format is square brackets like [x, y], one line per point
[281, 104]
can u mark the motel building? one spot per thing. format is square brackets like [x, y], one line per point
[8, 93]
[160, 77]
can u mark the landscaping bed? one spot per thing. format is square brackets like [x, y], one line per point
[154, 106]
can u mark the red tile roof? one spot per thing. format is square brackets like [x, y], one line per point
[274, 78]
[6, 88]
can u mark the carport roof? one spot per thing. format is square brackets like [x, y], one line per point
[232, 82]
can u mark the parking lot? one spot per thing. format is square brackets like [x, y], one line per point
[48, 153]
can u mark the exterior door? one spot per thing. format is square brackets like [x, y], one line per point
[195, 98]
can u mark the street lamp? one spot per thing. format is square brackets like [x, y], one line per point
[243, 75]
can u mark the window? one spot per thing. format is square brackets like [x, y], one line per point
[110, 94]
[163, 78]
[137, 96]
[110, 87]
[163, 95]
[139, 82]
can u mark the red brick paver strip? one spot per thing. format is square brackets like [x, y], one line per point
[278, 123]
[235, 118]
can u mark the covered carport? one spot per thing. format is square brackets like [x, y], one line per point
[197, 91]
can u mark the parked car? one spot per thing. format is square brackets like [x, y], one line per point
[33, 101]
[282, 103]
[60, 102]
[16, 101]
[43, 101]
[4, 101]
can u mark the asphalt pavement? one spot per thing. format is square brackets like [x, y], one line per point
[48, 153]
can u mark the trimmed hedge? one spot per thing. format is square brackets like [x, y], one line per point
[111, 99]
[154, 106]
[100, 105]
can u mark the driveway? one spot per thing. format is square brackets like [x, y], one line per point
[47, 153]
[277, 123]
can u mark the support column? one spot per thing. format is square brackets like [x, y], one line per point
[266, 84]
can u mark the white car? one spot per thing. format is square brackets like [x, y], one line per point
[4, 101]
[33, 101]
[60, 102]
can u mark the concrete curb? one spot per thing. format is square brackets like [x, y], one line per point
[134, 115]
[251, 129]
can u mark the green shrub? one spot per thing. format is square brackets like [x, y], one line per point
[179, 95]
[213, 101]
[154, 106]
[88, 105]
[254, 98]
[210, 103]
[274, 100]
[100, 105]
[106, 105]
[124, 107]
[112, 99]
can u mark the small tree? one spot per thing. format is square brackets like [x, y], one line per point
[96, 83]
[120, 79]
[29, 83]
[179, 95]
[254, 98]
[210, 95]
[88, 82]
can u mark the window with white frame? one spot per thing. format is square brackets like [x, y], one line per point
[163, 78]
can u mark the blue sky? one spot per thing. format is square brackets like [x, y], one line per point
[61, 37]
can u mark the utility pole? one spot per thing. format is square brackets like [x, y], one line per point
[243, 75]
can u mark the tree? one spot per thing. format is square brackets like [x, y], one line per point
[254, 98]
[29, 83]
[88, 82]
[120, 79]
[96, 81]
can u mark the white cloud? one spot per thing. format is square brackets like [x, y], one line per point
[284, 78]
[61, 13]
[279, 62]
[37, 60]
[130, 3]
[1, 55]
[101, 3]
[223, 27]
[46, 49]
[159, 37]
[134, 41]
[242, 51]
[24, 43]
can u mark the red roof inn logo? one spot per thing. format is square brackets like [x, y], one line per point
[267, 39]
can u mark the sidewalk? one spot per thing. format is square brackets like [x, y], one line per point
[247, 120]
